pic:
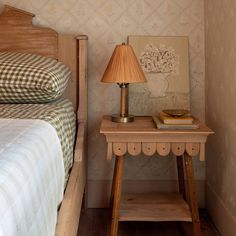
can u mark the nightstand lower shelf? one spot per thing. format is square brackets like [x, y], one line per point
[154, 207]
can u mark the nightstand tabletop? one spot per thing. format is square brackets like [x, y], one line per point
[145, 124]
[143, 136]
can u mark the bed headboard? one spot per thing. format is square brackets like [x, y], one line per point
[18, 34]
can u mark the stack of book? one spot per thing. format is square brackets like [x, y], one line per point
[165, 121]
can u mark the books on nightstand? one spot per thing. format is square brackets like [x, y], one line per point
[165, 121]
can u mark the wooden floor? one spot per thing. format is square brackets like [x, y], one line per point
[95, 222]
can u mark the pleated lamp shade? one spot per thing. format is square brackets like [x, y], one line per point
[123, 67]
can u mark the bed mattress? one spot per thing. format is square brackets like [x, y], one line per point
[59, 114]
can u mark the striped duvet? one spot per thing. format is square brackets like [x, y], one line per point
[31, 177]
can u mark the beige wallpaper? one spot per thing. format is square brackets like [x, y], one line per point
[107, 23]
[220, 100]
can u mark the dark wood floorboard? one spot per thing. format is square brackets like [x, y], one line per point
[96, 222]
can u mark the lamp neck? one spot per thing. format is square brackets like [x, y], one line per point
[123, 85]
[124, 109]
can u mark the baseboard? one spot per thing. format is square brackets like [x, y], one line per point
[220, 215]
[99, 190]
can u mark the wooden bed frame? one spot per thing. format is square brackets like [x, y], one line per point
[18, 34]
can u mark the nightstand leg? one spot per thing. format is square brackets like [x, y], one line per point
[180, 167]
[113, 183]
[192, 195]
[117, 194]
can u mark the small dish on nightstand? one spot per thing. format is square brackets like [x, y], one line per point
[176, 112]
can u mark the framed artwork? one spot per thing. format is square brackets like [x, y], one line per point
[165, 62]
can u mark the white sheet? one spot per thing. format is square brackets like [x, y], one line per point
[31, 177]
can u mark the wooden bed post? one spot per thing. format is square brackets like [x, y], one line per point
[82, 112]
[69, 214]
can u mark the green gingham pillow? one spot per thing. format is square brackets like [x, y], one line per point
[29, 78]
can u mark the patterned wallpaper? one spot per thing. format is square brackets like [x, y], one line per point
[220, 91]
[107, 23]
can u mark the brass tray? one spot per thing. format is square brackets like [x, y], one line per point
[176, 112]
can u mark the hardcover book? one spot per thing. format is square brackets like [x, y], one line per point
[161, 125]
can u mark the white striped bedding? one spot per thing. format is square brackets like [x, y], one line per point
[31, 177]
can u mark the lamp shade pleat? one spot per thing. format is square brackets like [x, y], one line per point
[123, 67]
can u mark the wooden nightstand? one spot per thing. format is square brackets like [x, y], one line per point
[142, 136]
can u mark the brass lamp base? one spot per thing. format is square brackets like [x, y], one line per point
[122, 119]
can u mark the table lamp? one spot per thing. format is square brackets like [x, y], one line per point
[123, 69]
